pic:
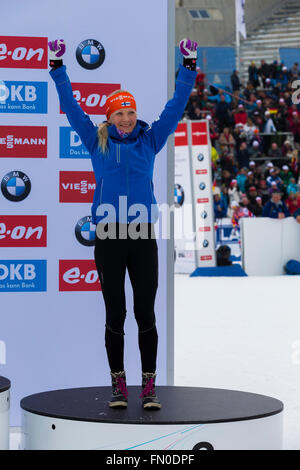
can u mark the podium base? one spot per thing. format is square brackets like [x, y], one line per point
[4, 413]
[190, 418]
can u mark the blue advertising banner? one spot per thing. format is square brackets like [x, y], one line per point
[23, 97]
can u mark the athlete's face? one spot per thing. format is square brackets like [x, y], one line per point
[124, 119]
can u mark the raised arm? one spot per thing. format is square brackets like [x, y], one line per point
[167, 122]
[78, 119]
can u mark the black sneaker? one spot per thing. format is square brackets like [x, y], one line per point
[148, 395]
[119, 397]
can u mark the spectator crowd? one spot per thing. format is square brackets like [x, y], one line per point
[255, 136]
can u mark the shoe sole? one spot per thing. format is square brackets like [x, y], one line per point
[152, 405]
[118, 404]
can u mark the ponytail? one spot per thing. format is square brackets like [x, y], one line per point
[103, 136]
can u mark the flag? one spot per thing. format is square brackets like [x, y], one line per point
[240, 17]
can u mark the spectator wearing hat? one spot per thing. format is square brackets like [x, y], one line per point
[240, 115]
[238, 212]
[233, 192]
[220, 207]
[274, 179]
[250, 129]
[275, 208]
[263, 191]
[259, 203]
[269, 126]
[287, 149]
[253, 205]
[285, 174]
[292, 186]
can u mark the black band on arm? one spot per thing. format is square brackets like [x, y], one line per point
[54, 64]
[190, 63]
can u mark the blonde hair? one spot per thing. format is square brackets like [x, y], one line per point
[102, 128]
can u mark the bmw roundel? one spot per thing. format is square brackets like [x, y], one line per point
[202, 186]
[205, 243]
[203, 214]
[200, 157]
[15, 186]
[90, 54]
[85, 231]
[178, 195]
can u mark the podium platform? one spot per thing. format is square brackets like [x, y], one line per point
[190, 418]
[4, 413]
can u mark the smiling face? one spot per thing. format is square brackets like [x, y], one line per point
[124, 119]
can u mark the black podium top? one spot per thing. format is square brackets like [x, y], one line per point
[180, 405]
[4, 384]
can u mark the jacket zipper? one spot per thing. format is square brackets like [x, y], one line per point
[152, 199]
[118, 153]
[101, 188]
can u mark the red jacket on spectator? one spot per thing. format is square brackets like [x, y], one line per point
[240, 117]
[292, 203]
[294, 126]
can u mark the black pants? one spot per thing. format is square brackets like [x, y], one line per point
[139, 256]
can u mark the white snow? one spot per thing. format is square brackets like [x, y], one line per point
[241, 333]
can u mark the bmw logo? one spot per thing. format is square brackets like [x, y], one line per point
[205, 243]
[15, 186]
[178, 195]
[203, 214]
[85, 231]
[90, 54]
[200, 157]
[202, 186]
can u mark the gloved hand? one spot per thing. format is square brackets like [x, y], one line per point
[188, 49]
[57, 49]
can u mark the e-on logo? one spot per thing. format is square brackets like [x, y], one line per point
[178, 195]
[15, 186]
[90, 54]
[85, 231]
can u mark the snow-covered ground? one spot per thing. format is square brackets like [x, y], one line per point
[244, 334]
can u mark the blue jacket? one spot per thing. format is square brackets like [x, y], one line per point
[272, 210]
[127, 168]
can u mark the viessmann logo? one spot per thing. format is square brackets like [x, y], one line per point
[92, 96]
[23, 52]
[76, 186]
[78, 275]
[23, 231]
[23, 141]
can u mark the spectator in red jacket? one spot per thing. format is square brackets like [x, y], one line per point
[240, 116]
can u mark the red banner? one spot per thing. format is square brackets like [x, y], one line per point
[78, 275]
[23, 141]
[21, 52]
[23, 231]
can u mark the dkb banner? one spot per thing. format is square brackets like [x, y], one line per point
[52, 316]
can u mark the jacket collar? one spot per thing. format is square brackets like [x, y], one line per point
[140, 126]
